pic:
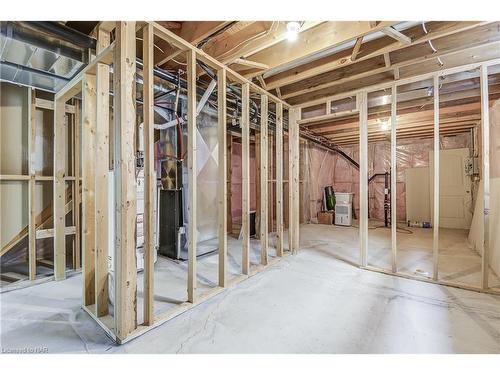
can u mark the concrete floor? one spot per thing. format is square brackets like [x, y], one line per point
[458, 263]
[309, 303]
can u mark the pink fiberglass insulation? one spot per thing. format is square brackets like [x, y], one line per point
[330, 168]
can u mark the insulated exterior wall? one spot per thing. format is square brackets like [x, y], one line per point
[329, 168]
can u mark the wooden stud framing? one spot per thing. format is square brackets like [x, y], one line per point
[394, 107]
[89, 108]
[125, 184]
[363, 176]
[264, 177]
[245, 177]
[485, 121]
[222, 169]
[400, 82]
[59, 190]
[149, 173]
[101, 168]
[229, 178]
[76, 186]
[296, 180]
[397, 35]
[192, 238]
[31, 185]
[279, 179]
[293, 179]
[435, 240]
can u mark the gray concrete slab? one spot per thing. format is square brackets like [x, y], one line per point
[309, 303]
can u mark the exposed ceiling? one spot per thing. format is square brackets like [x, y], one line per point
[330, 58]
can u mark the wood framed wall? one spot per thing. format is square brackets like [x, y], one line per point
[67, 180]
[363, 137]
[123, 325]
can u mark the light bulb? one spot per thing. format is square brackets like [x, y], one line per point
[292, 30]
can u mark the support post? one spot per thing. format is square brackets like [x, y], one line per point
[245, 177]
[435, 240]
[89, 107]
[77, 195]
[59, 190]
[394, 105]
[293, 179]
[31, 185]
[101, 169]
[149, 173]
[296, 180]
[485, 124]
[125, 183]
[192, 173]
[264, 204]
[279, 179]
[363, 175]
[229, 178]
[222, 168]
[291, 120]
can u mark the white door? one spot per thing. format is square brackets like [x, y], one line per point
[455, 200]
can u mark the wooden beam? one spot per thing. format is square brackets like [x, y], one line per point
[394, 108]
[229, 183]
[318, 38]
[59, 190]
[294, 178]
[149, 173]
[180, 43]
[445, 73]
[193, 32]
[339, 78]
[125, 184]
[89, 107]
[397, 35]
[252, 38]
[262, 82]
[250, 64]
[49, 232]
[76, 197]
[279, 179]
[356, 48]
[363, 176]
[31, 184]
[374, 48]
[387, 60]
[101, 169]
[245, 175]
[192, 175]
[222, 170]
[264, 176]
[485, 129]
[435, 240]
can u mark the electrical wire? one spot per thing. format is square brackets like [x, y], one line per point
[434, 50]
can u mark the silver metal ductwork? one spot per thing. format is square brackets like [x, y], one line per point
[32, 54]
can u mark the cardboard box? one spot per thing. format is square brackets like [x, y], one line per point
[325, 217]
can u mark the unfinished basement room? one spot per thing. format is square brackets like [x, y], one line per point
[249, 187]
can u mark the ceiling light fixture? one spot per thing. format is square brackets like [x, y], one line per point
[292, 30]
